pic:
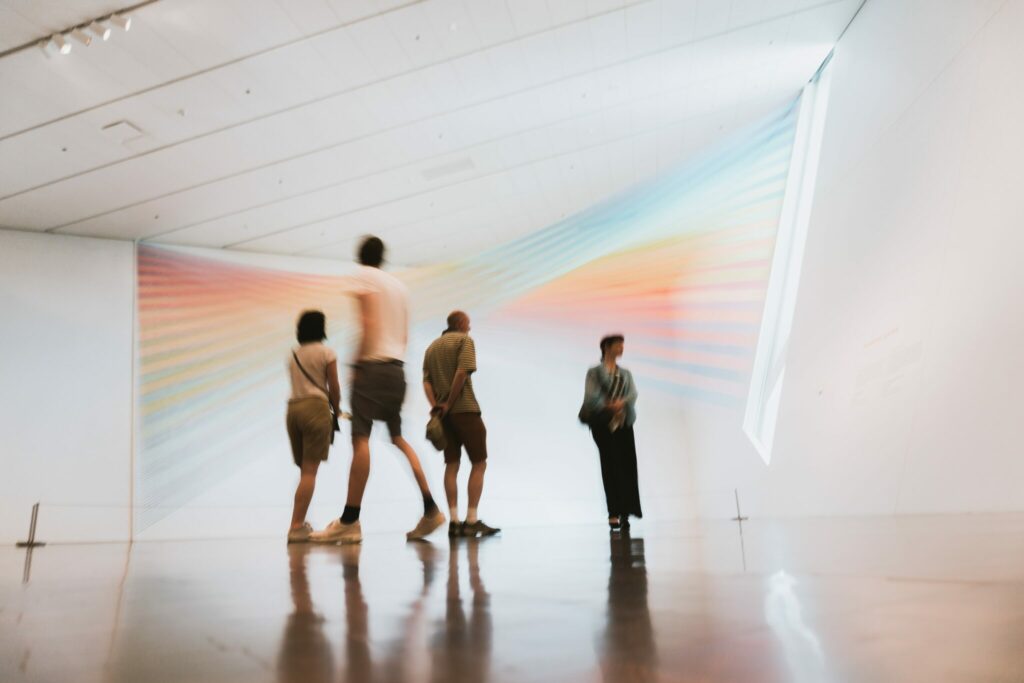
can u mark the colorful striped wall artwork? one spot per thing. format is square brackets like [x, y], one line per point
[680, 265]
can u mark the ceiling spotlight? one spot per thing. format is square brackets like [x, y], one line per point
[63, 46]
[100, 30]
[122, 22]
[81, 36]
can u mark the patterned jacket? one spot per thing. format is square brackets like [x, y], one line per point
[596, 390]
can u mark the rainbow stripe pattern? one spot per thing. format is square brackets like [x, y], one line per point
[679, 265]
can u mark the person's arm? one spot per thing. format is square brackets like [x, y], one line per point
[428, 385]
[631, 392]
[368, 326]
[428, 389]
[593, 396]
[333, 386]
[465, 366]
[458, 382]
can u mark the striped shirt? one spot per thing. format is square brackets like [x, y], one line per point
[448, 353]
[618, 386]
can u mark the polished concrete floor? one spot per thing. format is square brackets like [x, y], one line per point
[936, 599]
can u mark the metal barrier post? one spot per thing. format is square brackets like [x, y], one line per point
[739, 516]
[32, 542]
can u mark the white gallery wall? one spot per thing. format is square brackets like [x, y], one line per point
[903, 375]
[66, 305]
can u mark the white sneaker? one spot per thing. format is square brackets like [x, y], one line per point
[426, 526]
[336, 532]
[300, 535]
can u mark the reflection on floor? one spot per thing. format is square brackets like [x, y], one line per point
[812, 601]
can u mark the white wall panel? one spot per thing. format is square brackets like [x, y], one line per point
[66, 404]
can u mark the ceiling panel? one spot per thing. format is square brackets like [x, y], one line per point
[295, 127]
[168, 41]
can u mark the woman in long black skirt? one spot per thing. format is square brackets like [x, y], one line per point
[609, 408]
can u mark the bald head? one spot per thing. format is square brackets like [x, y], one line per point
[458, 322]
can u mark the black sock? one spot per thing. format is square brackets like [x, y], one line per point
[429, 506]
[351, 514]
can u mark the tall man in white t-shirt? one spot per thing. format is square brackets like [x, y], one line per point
[378, 391]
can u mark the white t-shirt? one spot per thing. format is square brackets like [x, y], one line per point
[389, 307]
[314, 358]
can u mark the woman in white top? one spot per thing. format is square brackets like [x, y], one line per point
[313, 370]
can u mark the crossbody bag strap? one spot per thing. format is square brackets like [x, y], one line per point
[309, 377]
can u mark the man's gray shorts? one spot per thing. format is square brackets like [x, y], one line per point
[378, 391]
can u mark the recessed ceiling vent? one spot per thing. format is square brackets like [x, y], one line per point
[450, 168]
[122, 131]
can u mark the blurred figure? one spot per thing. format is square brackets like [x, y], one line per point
[609, 408]
[448, 365]
[313, 371]
[358, 658]
[461, 649]
[628, 653]
[389, 659]
[306, 654]
[378, 391]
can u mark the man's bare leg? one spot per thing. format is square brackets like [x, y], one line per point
[451, 489]
[476, 484]
[360, 470]
[432, 516]
[414, 463]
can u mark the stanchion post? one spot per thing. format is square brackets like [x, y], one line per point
[32, 542]
[739, 516]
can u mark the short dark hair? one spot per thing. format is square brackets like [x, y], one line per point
[311, 327]
[371, 252]
[607, 341]
[455, 319]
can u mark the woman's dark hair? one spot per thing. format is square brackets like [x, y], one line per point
[311, 327]
[606, 342]
[371, 252]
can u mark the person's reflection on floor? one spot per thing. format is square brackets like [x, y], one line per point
[358, 662]
[461, 650]
[627, 649]
[399, 661]
[306, 654]
[393, 664]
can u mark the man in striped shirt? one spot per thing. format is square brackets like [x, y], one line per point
[447, 366]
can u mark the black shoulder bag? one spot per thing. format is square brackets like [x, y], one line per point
[589, 417]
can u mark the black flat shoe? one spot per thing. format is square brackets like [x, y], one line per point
[478, 528]
[616, 525]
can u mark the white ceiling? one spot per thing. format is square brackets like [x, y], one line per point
[444, 126]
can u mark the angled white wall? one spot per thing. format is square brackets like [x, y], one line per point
[66, 305]
[903, 376]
